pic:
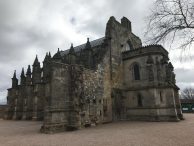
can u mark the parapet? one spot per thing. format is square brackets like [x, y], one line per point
[145, 50]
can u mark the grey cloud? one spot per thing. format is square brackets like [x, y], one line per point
[184, 77]
[134, 10]
[73, 21]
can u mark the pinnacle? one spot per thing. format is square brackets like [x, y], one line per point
[14, 75]
[22, 73]
[36, 60]
[88, 45]
[71, 50]
[28, 70]
[46, 56]
[49, 54]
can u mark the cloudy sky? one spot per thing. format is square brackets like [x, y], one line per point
[35, 27]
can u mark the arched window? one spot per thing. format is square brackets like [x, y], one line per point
[130, 46]
[127, 47]
[139, 100]
[136, 72]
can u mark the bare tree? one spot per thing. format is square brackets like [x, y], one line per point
[172, 21]
[187, 93]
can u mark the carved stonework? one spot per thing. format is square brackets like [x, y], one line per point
[170, 77]
[159, 72]
[168, 74]
[150, 73]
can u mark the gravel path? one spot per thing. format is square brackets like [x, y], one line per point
[26, 133]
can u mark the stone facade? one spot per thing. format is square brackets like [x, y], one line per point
[108, 79]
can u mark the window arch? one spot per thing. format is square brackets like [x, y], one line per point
[130, 46]
[136, 72]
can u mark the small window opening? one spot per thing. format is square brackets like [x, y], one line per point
[136, 72]
[161, 98]
[139, 101]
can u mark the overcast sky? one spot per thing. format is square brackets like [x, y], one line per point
[35, 27]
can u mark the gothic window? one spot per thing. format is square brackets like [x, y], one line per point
[129, 45]
[139, 100]
[136, 72]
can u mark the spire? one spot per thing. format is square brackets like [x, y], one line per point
[57, 55]
[28, 80]
[14, 80]
[22, 73]
[23, 78]
[36, 62]
[36, 70]
[28, 70]
[49, 54]
[87, 55]
[88, 45]
[14, 75]
[71, 50]
[71, 55]
[46, 57]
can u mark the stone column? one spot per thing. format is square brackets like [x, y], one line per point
[15, 110]
[24, 111]
[34, 116]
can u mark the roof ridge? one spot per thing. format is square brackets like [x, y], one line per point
[82, 46]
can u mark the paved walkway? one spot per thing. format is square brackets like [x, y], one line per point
[24, 133]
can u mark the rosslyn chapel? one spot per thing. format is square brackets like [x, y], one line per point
[104, 80]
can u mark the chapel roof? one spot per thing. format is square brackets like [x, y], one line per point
[93, 44]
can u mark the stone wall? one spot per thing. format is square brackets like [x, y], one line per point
[64, 101]
[55, 113]
[3, 111]
[92, 102]
[158, 99]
